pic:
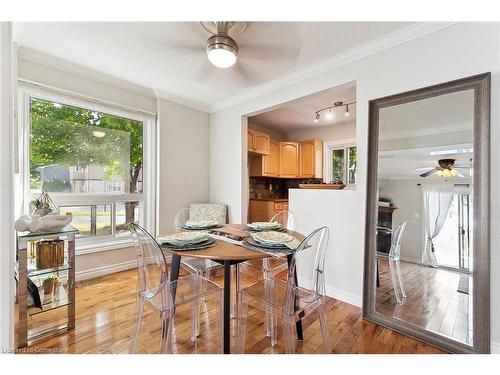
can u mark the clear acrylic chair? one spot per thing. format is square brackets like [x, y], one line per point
[155, 288]
[288, 301]
[198, 266]
[393, 259]
[272, 266]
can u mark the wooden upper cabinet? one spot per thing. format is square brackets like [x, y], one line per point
[271, 162]
[289, 159]
[261, 143]
[258, 142]
[311, 159]
[250, 139]
[265, 165]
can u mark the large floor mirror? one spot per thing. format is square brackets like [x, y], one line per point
[427, 232]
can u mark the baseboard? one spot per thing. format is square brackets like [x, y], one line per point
[495, 347]
[339, 294]
[410, 260]
[105, 270]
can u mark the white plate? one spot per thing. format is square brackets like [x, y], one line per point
[264, 225]
[201, 224]
[272, 237]
[184, 238]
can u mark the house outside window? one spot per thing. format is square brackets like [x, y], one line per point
[341, 162]
[92, 162]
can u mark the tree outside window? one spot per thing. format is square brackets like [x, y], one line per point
[78, 150]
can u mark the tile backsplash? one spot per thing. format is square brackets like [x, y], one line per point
[268, 187]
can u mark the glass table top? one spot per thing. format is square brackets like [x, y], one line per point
[68, 229]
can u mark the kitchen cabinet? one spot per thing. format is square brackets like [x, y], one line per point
[266, 165]
[288, 159]
[264, 209]
[261, 143]
[258, 142]
[311, 159]
[250, 139]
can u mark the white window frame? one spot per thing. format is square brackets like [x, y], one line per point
[147, 198]
[337, 145]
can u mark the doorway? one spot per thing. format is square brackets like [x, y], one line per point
[453, 243]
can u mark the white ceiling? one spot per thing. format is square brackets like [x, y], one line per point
[441, 114]
[170, 57]
[299, 114]
[431, 121]
[400, 164]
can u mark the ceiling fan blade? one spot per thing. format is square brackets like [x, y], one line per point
[206, 72]
[243, 72]
[428, 173]
[267, 51]
[459, 174]
[462, 166]
[423, 168]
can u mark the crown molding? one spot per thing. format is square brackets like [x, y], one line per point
[388, 41]
[36, 57]
[31, 55]
[160, 94]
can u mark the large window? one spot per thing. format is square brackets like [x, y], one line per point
[90, 161]
[341, 163]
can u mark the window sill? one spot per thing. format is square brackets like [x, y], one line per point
[90, 248]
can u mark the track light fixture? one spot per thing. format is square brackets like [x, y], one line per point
[329, 114]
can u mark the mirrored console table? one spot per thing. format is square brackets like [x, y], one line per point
[45, 274]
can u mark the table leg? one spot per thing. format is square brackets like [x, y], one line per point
[227, 307]
[298, 325]
[378, 274]
[174, 271]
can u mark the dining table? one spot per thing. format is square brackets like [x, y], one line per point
[228, 254]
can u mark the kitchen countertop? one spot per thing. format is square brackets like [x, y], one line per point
[270, 199]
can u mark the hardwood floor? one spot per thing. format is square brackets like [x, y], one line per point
[433, 301]
[105, 316]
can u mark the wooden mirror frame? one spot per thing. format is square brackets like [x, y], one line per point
[481, 230]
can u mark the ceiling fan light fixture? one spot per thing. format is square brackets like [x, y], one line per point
[222, 51]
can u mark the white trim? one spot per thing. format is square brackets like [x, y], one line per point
[388, 41]
[341, 295]
[147, 197]
[37, 57]
[99, 246]
[31, 55]
[7, 251]
[186, 102]
[495, 347]
[105, 270]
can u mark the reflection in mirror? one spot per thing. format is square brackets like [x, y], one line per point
[424, 221]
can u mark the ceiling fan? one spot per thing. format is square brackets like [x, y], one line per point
[222, 50]
[445, 168]
[226, 48]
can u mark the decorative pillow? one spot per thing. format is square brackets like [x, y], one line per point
[207, 211]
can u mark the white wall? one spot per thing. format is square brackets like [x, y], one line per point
[333, 209]
[52, 72]
[407, 197]
[6, 193]
[450, 53]
[332, 133]
[184, 171]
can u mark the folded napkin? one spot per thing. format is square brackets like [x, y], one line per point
[293, 244]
